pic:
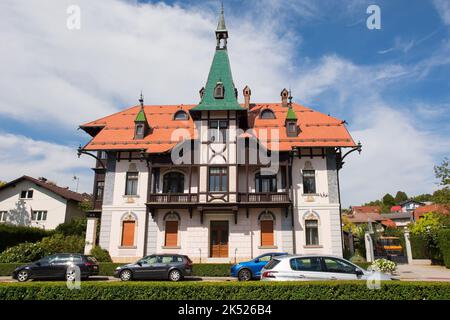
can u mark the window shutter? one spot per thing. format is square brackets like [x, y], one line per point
[171, 233]
[267, 233]
[128, 233]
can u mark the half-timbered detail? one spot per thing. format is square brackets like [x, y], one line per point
[219, 181]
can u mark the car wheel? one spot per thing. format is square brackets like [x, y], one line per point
[71, 275]
[244, 275]
[23, 276]
[126, 275]
[175, 275]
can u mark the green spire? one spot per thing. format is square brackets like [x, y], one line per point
[141, 114]
[291, 115]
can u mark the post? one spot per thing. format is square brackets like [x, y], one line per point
[369, 247]
[408, 248]
[91, 234]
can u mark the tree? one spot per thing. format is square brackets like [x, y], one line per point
[400, 197]
[388, 200]
[442, 173]
[441, 196]
[423, 197]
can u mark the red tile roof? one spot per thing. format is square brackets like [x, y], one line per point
[63, 192]
[438, 208]
[364, 217]
[366, 209]
[396, 208]
[389, 223]
[116, 132]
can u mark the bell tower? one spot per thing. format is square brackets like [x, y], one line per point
[222, 32]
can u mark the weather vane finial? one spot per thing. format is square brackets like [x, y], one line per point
[141, 100]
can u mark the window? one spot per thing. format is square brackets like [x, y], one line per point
[219, 91]
[39, 215]
[267, 114]
[218, 179]
[265, 183]
[218, 130]
[26, 194]
[102, 155]
[128, 233]
[338, 266]
[171, 234]
[265, 258]
[312, 232]
[309, 181]
[3, 216]
[267, 238]
[173, 182]
[292, 129]
[181, 115]
[139, 130]
[306, 264]
[131, 183]
[99, 190]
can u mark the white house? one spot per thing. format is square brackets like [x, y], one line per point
[34, 202]
[223, 202]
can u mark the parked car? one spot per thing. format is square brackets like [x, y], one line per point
[58, 266]
[249, 270]
[171, 267]
[314, 267]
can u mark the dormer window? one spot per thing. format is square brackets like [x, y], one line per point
[267, 114]
[181, 115]
[219, 91]
[291, 128]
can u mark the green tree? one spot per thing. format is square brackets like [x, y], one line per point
[441, 196]
[442, 173]
[388, 200]
[423, 197]
[400, 197]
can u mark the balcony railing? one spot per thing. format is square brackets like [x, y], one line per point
[173, 198]
[272, 197]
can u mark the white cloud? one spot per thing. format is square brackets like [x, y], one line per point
[443, 7]
[20, 156]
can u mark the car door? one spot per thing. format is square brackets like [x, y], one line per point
[306, 268]
[260, 263]
[59, 265]
[161, 268]
[338, 269]
[42, 267]
[144, 268]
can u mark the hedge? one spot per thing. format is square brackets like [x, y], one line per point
[349, 290]
[11, 235]
[444, 245]
[419, 247]
[199, 270]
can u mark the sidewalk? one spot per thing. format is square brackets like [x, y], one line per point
[411, 272]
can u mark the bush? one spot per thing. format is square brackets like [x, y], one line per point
[444, 245]
[349, 290]
[11, 235]
[419, 247]
[383, 265]
[24, 252]
[75, 227]
[211, 270]
[100, 254]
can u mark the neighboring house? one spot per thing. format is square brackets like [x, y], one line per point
[438, 208]
[365, 209]
[218, 204]
[396, 209]
[35, 202]
[390, 220]
[410, 205]
[400, 219]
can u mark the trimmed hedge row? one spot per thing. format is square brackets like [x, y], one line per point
[354, 290]
[11, 235]
[444, 245]
[419, 247]
[199, 270]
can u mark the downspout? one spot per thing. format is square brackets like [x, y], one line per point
[291, 193]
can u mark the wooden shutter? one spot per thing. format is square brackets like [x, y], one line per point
[128, 233]
[171, 233]
[267, 233]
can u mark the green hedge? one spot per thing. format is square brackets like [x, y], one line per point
[354, 290]
[444, 245]
[11, 235]
[419, 247]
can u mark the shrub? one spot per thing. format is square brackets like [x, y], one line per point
[383, 265]
[444, 245]
[24, 252]
[74, 227]
[419, 247]
[100, 254]
[349, 290]
[211, 270]
[11, 235]
[61, 244]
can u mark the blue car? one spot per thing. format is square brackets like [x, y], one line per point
[249, 270]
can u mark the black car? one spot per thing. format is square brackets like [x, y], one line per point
[156, 267]
[59, 266]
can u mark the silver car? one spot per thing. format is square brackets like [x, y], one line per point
[315, 267]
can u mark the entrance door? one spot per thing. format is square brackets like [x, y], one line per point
[219, 239]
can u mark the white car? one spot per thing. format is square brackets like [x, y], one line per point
[315, 267]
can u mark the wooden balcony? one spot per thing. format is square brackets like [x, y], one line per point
[264, 197]
[182, 198]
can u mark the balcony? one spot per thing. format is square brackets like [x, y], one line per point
[182, 198]
[265, 197]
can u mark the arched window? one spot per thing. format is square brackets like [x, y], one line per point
[219, 91]
[173, 182]
[311, 229]
[265, 183]
[267, 114]
[171, 222]
[128, 230]
[267, 220]
[181, 115]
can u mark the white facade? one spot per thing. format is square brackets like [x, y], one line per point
[50, 209]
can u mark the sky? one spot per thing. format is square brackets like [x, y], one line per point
[391, 85]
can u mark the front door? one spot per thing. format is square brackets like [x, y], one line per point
[219, 239]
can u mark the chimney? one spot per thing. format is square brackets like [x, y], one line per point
[284, 98]
[247, 95]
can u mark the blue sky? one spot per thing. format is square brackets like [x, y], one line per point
[391, 85]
